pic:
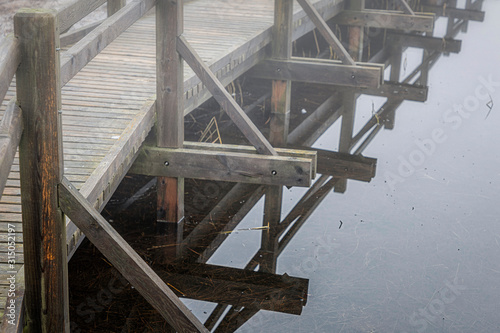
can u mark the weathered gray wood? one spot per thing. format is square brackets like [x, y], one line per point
[76, 35]
[326, 32]
[11, 128]
[198, 281]
[349, 99]
[395, 76]
[126, 260]
[456, 13]
[322, 72]
[75, 11]
[233, 167]
[356, 33]
[386, 20]
[114, 6]
[409, 92]
[9, 60]
[426, 42]
[341, 165]
[80, 54]
[106, 177]
[234, 111]
[14, 325]
[41, 167]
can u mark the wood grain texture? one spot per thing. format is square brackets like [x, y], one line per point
[11, 129]
[75, 11]
[41, 167]
[386, 20]
[9, 60]
[126, 260]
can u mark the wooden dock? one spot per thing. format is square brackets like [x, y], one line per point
[109, 101]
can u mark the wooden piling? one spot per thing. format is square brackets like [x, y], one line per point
[356, 33]
[41, 167]
[170, 113]
[396, 61]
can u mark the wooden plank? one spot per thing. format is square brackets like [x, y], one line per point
[126, 260]
[76, 35]
[106, 177]
[41, 166]
[238, 287]
[326, 32]
[386, 20]
[234, 111]
[169, 113]
[79, 55]
[456, 13]
[426, 42]
[75, 11]
[409, 92]
[224, 166]
[11, 128]
[9, 60]
[322, 72]
[406, 8]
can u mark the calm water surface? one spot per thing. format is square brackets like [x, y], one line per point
[419, 247]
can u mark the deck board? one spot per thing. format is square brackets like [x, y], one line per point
[102, 103]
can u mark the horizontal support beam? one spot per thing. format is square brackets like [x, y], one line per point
[126, 260]
[224, 166]
[225, 148]
[238, 287]
[321, 71]
[386, 20]
[463, 14]
[425, 42]
[404, 91]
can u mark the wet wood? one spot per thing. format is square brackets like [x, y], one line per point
[126, 260]
[326, 32]
[41, 167]
[224, 166]
[11, 128]
[239, 287]
[9, 60]
[320, 72]
[234, 111]
[386, 20]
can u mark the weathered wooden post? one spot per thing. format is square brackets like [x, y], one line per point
[170, 114]
[41, 167]
[115, 5]
[356, 34]
[395, 76]
[280, 118]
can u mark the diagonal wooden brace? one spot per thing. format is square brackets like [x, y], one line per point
[326, 32]
[234, 111]
[126, 260]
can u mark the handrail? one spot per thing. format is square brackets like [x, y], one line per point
[75, 11]
[80, 54]
[9, 61]
[11, 128]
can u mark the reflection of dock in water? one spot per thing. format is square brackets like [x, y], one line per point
[102, 142]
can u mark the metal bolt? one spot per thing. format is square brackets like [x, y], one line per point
[353, 76]
[274, 172]
[167, 163]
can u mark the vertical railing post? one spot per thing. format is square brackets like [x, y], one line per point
[280, 118]
[41, 167]
[170, 115]
[115, 5]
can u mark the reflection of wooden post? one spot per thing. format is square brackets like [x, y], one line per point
[397, 55]
[280, 115]
[170, 114]
[115, 5]
[41, 167]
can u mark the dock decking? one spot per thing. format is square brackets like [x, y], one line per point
[107, 106]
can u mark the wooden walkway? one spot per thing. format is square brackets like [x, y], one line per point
[107, 107]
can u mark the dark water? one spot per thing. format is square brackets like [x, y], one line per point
[417, 249]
